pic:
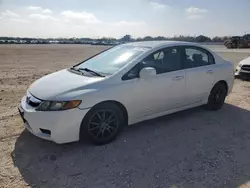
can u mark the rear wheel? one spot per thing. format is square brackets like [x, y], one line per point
[103, 123]
[217, 97]
[229, 45]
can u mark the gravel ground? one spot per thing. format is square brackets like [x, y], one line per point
[193, 148]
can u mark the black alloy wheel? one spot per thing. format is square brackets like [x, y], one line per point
[103, 123]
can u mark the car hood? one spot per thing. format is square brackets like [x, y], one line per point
[245, 61]
[60, 83]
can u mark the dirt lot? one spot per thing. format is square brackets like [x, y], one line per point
[194, 148]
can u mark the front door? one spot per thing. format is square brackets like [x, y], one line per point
[158, 93]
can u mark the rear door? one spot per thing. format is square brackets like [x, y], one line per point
[199, 67]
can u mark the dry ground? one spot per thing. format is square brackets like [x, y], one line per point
[194, 148]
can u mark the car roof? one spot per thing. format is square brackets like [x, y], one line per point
[155, 44]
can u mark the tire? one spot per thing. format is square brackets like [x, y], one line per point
[103, 123]
[229, 45]
[217, 97]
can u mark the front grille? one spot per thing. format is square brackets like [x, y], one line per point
[246, 67]
[32, 101]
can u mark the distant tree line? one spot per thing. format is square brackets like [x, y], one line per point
[200, 38]
[107, 41]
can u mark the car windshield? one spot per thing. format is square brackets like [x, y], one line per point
[110, 61]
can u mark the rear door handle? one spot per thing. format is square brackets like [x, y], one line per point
[210, 72]
[178, 78]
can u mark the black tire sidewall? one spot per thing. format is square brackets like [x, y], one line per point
[211, 105]
[104, 106]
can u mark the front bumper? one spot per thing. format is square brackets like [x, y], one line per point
[239, 72]
[60, 126]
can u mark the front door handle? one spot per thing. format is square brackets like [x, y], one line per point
[210, 72]
[178, 78]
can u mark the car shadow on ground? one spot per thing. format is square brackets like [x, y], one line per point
[193, 148]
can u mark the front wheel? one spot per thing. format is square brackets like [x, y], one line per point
[103, 123]
[217, 97]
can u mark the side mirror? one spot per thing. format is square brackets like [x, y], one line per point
[147, 72]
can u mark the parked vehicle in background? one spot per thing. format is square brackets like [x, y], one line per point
[124, 85]
[243, 68]
[238, 42]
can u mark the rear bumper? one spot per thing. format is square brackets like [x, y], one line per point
[57, 126]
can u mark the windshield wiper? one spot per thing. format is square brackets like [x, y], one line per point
[91, 71]
[87, 70]
[75, 69]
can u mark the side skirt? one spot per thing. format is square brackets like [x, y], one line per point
[167, 112]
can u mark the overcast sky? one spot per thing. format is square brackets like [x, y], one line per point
[115, 18]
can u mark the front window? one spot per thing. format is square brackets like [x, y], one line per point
[110, 61]
[164, 60]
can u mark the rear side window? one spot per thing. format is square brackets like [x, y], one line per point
[197, 57]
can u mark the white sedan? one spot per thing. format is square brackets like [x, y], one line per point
[124, 85]
[243, 68]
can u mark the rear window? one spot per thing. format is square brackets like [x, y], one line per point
[196, 57]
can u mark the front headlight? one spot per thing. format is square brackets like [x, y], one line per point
[240, 65]
[58, 105]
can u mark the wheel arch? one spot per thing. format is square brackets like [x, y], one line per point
[119, 104]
